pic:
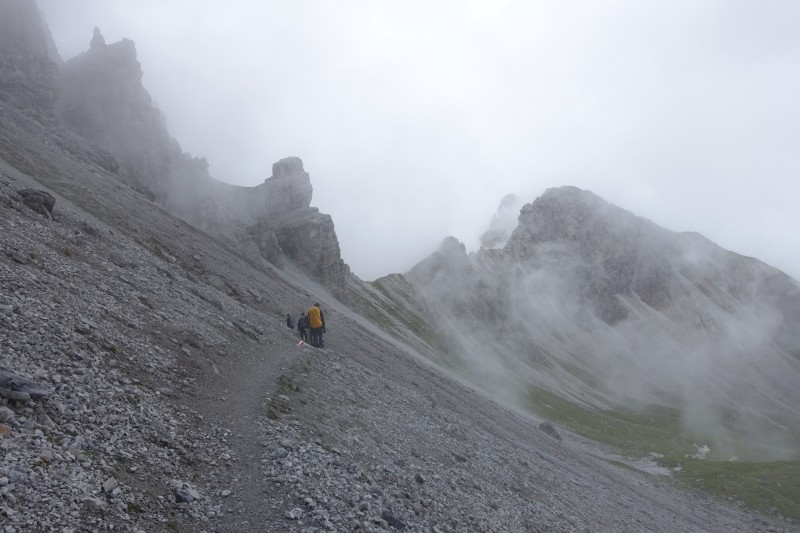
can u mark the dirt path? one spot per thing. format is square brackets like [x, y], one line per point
[246, 383]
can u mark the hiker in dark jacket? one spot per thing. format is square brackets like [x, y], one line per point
[289, 321]
[302, 327]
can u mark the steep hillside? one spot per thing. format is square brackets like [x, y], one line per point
[148, 381]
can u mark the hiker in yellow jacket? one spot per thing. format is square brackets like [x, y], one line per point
[316, 325]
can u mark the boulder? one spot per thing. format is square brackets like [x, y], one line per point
[548, 428]
[40, 201]
[184, 492]
[17, 385]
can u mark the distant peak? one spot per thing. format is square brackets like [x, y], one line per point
[503, 222]
[98, 41]
[568, 201]
[570, 192]
[451, 245]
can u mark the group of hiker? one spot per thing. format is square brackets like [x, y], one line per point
[310, 326]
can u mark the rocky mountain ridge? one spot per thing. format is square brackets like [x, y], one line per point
[28, 61]
[605, 308]
[103, 100]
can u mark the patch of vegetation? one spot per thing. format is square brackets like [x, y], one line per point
[367, 309]
[656, 429]
[134, 507]
[279, 404]
[160, 250]
[581, 374]
[67, 252]
[187, 458]
[286, 384]
[276, 408]
[147, 303]
[767, 486]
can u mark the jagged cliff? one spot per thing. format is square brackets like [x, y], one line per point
[102, 99]
[28, 61]
[606, 308]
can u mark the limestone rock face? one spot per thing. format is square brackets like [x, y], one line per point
[503, 222]
[98, 41]
[267, 243]
[103, 100]
[602, 306]
[28, 72]
[283, 225]
[308, 237]
[614, 251]
[450, 259]
[451, 279]
[289, 188]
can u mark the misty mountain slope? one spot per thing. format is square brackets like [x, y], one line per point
[606, 308]
[102, 98]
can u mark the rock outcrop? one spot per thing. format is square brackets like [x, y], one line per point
[20, 388]
[288, 188]
[309, 239]
[28, 62]
[40, 201]
[103, 100]
[617, 252]
[503, 222]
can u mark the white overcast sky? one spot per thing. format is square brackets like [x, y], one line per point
[414, 118]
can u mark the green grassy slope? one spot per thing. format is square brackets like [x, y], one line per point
[767, 486]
